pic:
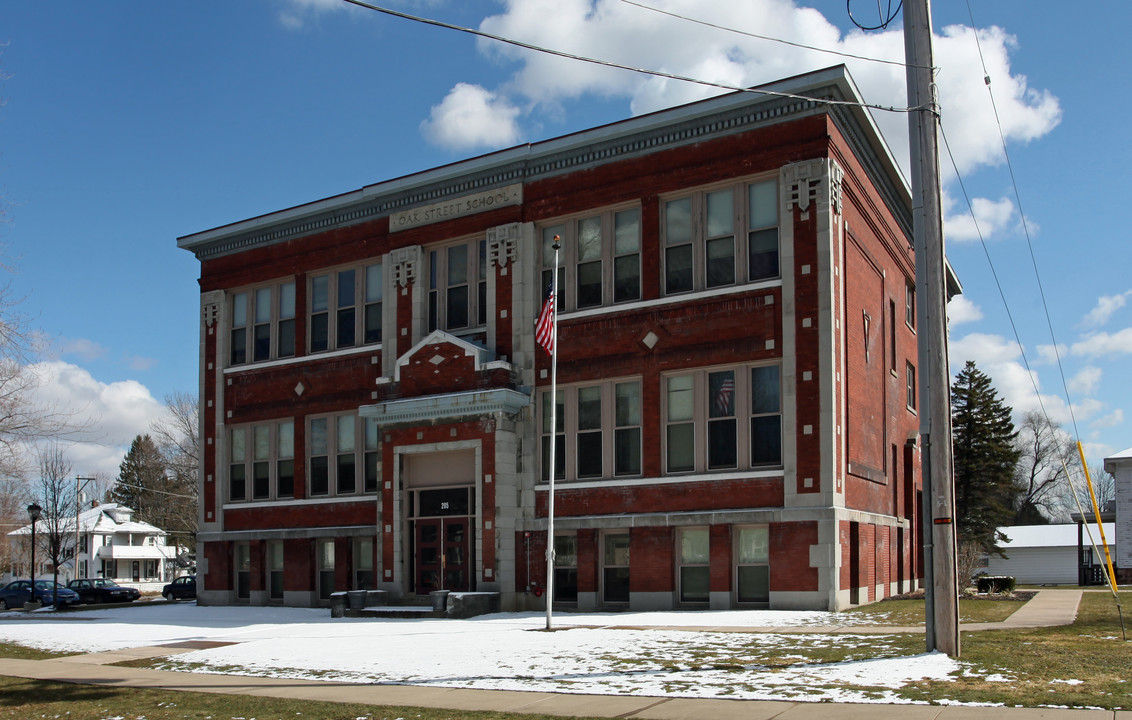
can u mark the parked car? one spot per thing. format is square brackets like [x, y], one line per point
[103, 590]
[15, 594]
[183, 588]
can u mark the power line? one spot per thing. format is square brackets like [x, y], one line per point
[884, 23]
[765, 37]
[615, 65]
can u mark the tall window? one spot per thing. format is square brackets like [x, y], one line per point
[263, 454]
[457, 286]
[333, 455]
[752, 565]
[275, 569]
[325, 562]
[598, 431]
[345, 308]
[702, 410]
[263, 324]
[718, 237]
[363, 564]
[600, 259]
[910, 375]
[243, 564]
[615, 568]
[695, 571]
[910, 306]
[566, 568]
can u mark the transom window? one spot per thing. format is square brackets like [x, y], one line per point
[261, 462]
[262, 324]
[720, 237]
[723, 419]
[597, 433]
[600, 259]
[457, 286]
[342, 455]
[345, 308]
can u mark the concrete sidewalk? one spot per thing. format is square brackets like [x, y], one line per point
[1048, 608]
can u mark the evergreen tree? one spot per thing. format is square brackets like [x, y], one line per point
[984, 458]
[142, 472]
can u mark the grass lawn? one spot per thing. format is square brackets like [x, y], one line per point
[1086, 664]
[911, 612]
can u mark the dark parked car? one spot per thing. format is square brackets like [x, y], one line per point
[15, 594]
[102, 590]
[183, 588]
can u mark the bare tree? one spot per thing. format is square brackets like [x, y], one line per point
[1046, 452]
[14, 499]
[178, 438]
[57, 497]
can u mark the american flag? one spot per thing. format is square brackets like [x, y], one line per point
[723, 397]
[544, 328]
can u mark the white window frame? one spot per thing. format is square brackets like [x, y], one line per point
[743, 415]
[569, 429]
[365, 303]
[341, 429]
[268, 309]
[738, 563]
[703, 234]
[609, 258]
[439, 283]
[681, 564]
[278, 452]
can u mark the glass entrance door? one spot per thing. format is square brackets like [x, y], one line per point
[442, 554]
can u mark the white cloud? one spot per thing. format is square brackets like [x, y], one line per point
[82, 348]
[1086, 381]
[470, 117]
[961, 310]
[990, 217]
[1102, 344]
[1106, 306]
[113, 413]
[1114, 418]
[1049, 354]
[597, 28]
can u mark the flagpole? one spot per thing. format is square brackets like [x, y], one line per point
[553, 435]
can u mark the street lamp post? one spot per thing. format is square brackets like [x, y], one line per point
[34, 511]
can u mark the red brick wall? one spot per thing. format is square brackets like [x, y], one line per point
[218, 555]
[790, 569]
[652, 563]
[673, 497]
[721, 558]
[298, 564]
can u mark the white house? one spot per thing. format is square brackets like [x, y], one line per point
[1120, 465]
[112, 545]
[1047, 554]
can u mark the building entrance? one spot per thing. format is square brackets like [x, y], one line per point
[441, 532]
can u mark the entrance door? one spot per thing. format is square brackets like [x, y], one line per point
[443, 559]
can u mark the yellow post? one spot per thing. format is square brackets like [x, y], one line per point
[1100, 525]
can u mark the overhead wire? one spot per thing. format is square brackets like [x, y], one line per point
[884, 24]
[619, 66]
[756, 36]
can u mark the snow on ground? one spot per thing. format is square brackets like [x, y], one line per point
[588, 653]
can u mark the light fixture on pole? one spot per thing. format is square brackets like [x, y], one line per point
[34, 512]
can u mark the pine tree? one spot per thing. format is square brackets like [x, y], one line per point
[984, 458]
[142, 471]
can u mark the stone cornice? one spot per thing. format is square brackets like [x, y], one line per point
[708, 119]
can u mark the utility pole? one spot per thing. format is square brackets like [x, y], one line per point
[931, 318]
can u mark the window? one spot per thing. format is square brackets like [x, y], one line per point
[615, 568]
[363, 564]
[597, 433]
[243, 565]
[566, 568]
[892, 334]
[333, 455]
[715, 238]
[275, 569]
[263, 454]
[695, 575]
[325, 558]
[600, 259]
[263, 324]
[452, 270]
[345, 308]
[752, 565]
[910, 374]
[910, 306]
[702, 411]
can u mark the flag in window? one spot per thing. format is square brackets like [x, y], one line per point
[544, 328]
[724, 395]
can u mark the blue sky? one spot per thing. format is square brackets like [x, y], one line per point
[129, 124]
